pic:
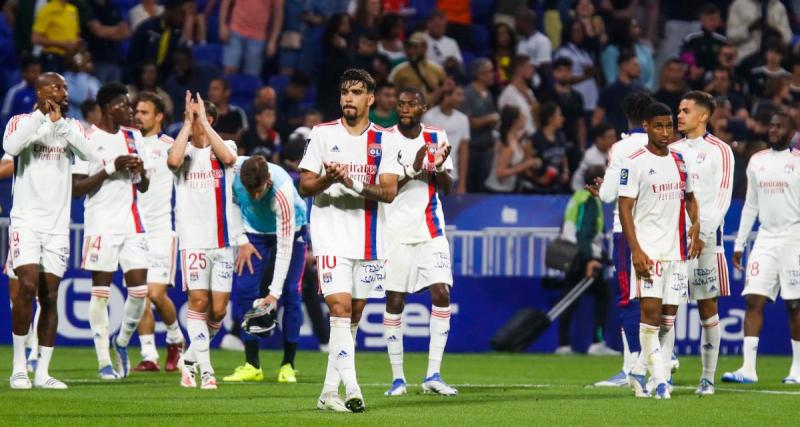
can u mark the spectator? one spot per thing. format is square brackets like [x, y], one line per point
[503, 46]
[571, 104]
[186, 75]
[518, 94]
[156, 39]
[251, 35]
[459, 20]
[777, 95]
[795, 85]
[456, 125]
[291, 40]
[390, 34]
[728, 58]
[625, 39]
[147, 79]
[291, 155]
[672, 86]
[704, 45]
[680, 20]
[419, 72]
[21, 97]
[748, 27]
[440, 47]
[583, 224]
[21, 14]
[583, 60]
[80, 81]
[511, 160]
[195, 28]
[480, 109]
[593, 25]
[90, 110]
[771, 69]
[104, 29]
[292, 104]
[367, 17]
[232, 120]
[143, 11]
[366, 52]
[264, 97]
[56, 29]
[604, 135]
[721, 85]
[383, 112]
[336, 58]
[533, 43]
[262, 138]
[311, 119]
[608, 106]
[550, 146]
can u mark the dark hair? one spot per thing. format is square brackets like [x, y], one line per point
[598, 130]
[110, 92]
[294, 147]
[476, 65]
[493, 43]
[725, 70]
[387, 24]
[674, 60]
[709, 9]
[226, 86]
[516, 62]
[254, 172]
[87, 107]
[415, 91]
[773, 86]
[620, 33]
[593, 172]
[360, 14]
[263, 107]
[624, 57]
[546, 112]
[776, 46]
[383, 85]
[183, 49]
[168, 4]
[154, 99]
[657, 109]
[635, 104]
[28, 61]
[785, 115]
[299, 78]
[508, 115]
[566, 31]
[357, 75]
[702, 99]
[332, 27]
[562, 61]
[211, 110]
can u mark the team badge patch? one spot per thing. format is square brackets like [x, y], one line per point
[701, 157]
[374, 150]
[623, 177]
[788, 169]
[327, 278]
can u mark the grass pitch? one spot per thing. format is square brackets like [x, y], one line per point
[495, 389]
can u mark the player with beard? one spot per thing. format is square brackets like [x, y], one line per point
[114, 233]
[773, 196]
[43, 144]
[349, 167]
[156, 205]
[419, 255]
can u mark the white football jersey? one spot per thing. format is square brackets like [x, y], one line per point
[156, 202]
[709, 162]
[773, 195]
[205, 216]
[659, 184]
[416, 214]
[43, 153]
[114, 207]
[343, 223]
[621, 150]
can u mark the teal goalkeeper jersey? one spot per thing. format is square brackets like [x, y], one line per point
[260, 216]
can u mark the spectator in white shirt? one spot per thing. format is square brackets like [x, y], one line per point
[456, 125]
[144, 10]
[533, 43]
[518, 94]
[603, 136]
[440, 47]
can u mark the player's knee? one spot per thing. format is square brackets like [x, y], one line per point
[218, 313]
[198, 304]
[793, 305]
[753, 304]
[440, 295]
[157, 294]
[395, 302]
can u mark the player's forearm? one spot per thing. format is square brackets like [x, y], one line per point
[311, 184]
[178, 149]
[6, 169]
[691, 208]
[463, 159]
[277, 21]
[22, 132]
[223, 153]
[76, 140]
[445, 182]
[384, 192]
[144, 184]
[83, 184]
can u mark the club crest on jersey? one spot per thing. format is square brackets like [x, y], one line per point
[701, 157]
[681, 167]
[652, 172]
[374, 150]
[431, 149]
[327, 278]
[623, 177]
[788, 169]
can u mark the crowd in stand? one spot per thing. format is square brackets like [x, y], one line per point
[529, 92]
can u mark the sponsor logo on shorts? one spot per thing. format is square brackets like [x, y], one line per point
[194, 276]
[93, 257]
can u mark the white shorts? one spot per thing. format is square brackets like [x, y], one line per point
[108, 252]
[708, 274]
[360, 278]
[772, 268]
[668, 282]
[162, 258]
[49, 251]
[7, 269]
[207, 269]
[414, 267]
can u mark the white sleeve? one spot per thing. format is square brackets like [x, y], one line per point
[723, 174]
[609, 187]
[231, 146]
[21, 131]
[737, 24]
[283, 207]
[390, 156]
[629, 179]
[75, 135]
[577, 177]
[312, 155]
[749, 211]
[80, 167]
[448, 162]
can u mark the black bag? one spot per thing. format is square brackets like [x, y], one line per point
[560, 254]
[520, 332]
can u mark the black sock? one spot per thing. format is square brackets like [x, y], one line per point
[289, 351]
[251, 353]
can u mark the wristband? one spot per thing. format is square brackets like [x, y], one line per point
[440, 168]
[110, 168]
[410, 172]
[358, 186]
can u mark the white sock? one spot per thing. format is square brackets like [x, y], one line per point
[332, 378]
[43, 368]
[199, 338]
[98, 320]
[33, 333]
[342, 352]
[174, 334]
[709, 347]
[213, 328]
[19, 364]
[795, 370]
[750, 352]
[393, 334]
[439, 330]
[149, 351]
[650, 354]
[627, 357]
[666, 337]
[133, 310]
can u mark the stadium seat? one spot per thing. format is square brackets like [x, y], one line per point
[482, 10]
[243, 89]
[210, 53]
[480, 39]
[278, 82]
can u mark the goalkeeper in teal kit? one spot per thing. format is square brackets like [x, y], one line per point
[268, 268]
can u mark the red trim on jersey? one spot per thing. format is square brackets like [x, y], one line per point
[637, 153]
[371, 206]
[130, 145]
[431, 220]
[219, 204]
[172, 260]
[283, 205]
[722, 273]
[682, 218]
[184, 267]
[330, 123]
[726, 166]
